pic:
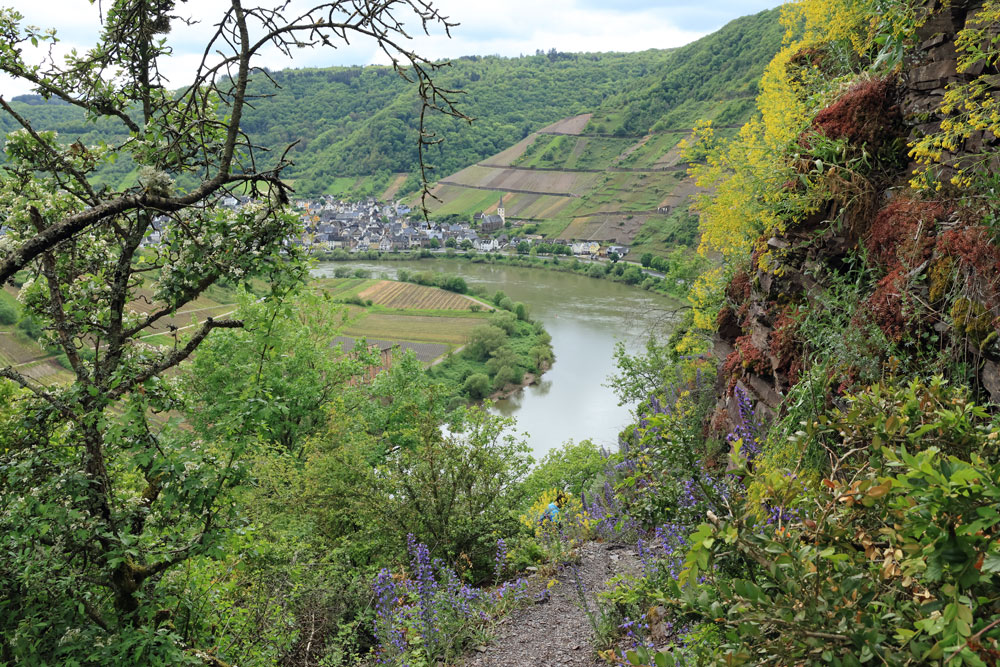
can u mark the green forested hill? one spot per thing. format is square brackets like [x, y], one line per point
[719, 70]
[362, 121]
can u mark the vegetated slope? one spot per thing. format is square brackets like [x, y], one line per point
[842, 476]
[616, 174]
[356, 127]
[714, 77]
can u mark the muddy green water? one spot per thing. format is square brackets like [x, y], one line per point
[586, 317]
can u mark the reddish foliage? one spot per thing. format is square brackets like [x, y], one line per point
[738, 289]
[973, 248]
[978, 260]
[867, 113]
[785, 346]
[903, 232]
[746, 358]
[987, 654]
[886, 305]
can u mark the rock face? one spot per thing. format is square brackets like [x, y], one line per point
[929, 254]
[936, 67]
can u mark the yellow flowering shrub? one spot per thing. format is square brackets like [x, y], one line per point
[752, 185]
[574, 522]
[970, 106]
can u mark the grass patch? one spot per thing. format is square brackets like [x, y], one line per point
[661, 234]
[342, 186]
[653, 151]
[547, 151]
[341, 287]
[416, 328]
[551, 229]
[462, 201]
[625, 191]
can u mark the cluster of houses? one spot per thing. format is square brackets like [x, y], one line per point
[370, 225]
[330, 224]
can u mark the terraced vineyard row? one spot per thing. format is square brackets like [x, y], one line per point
[343, 286]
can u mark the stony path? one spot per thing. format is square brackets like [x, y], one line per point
[557, 633]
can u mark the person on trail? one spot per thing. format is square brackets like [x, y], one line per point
[551, 512]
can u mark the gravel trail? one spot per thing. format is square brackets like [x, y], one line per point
[557, 633]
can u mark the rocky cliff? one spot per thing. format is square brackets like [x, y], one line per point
[932, 261]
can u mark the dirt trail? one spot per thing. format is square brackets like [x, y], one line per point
[557, 633]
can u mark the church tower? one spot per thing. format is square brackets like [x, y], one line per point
[500, 211]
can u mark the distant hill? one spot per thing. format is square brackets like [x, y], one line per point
[356, 126]
[616, 174]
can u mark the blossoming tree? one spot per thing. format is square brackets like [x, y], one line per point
[98, 500]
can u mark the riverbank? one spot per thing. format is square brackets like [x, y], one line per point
[529, 380]
[509, 351]
[675, 281]
[586, 319]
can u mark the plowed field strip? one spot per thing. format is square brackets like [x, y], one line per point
[394, 292]
[623, 170]
[373, 291]
[415, 297]
[393, 295]
[525, 192]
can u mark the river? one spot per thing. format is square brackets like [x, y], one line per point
[586, 317]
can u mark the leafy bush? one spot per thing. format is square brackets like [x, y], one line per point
[893, 557]
[8, 312]
[484, 340]
[455, 492]
[573, 467]
[477, 386]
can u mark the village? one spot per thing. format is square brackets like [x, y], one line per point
[330, 224]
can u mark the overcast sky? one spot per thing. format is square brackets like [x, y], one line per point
[505, 27]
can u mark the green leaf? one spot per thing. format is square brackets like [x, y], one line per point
[665, 660]
[991, 563]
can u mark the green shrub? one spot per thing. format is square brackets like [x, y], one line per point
[484, 340]
[8, 312]
[892, 557]
[506, 375]
[505, 320]
[477, 386]
[30, 327]
[455, 492]
[573, 467]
